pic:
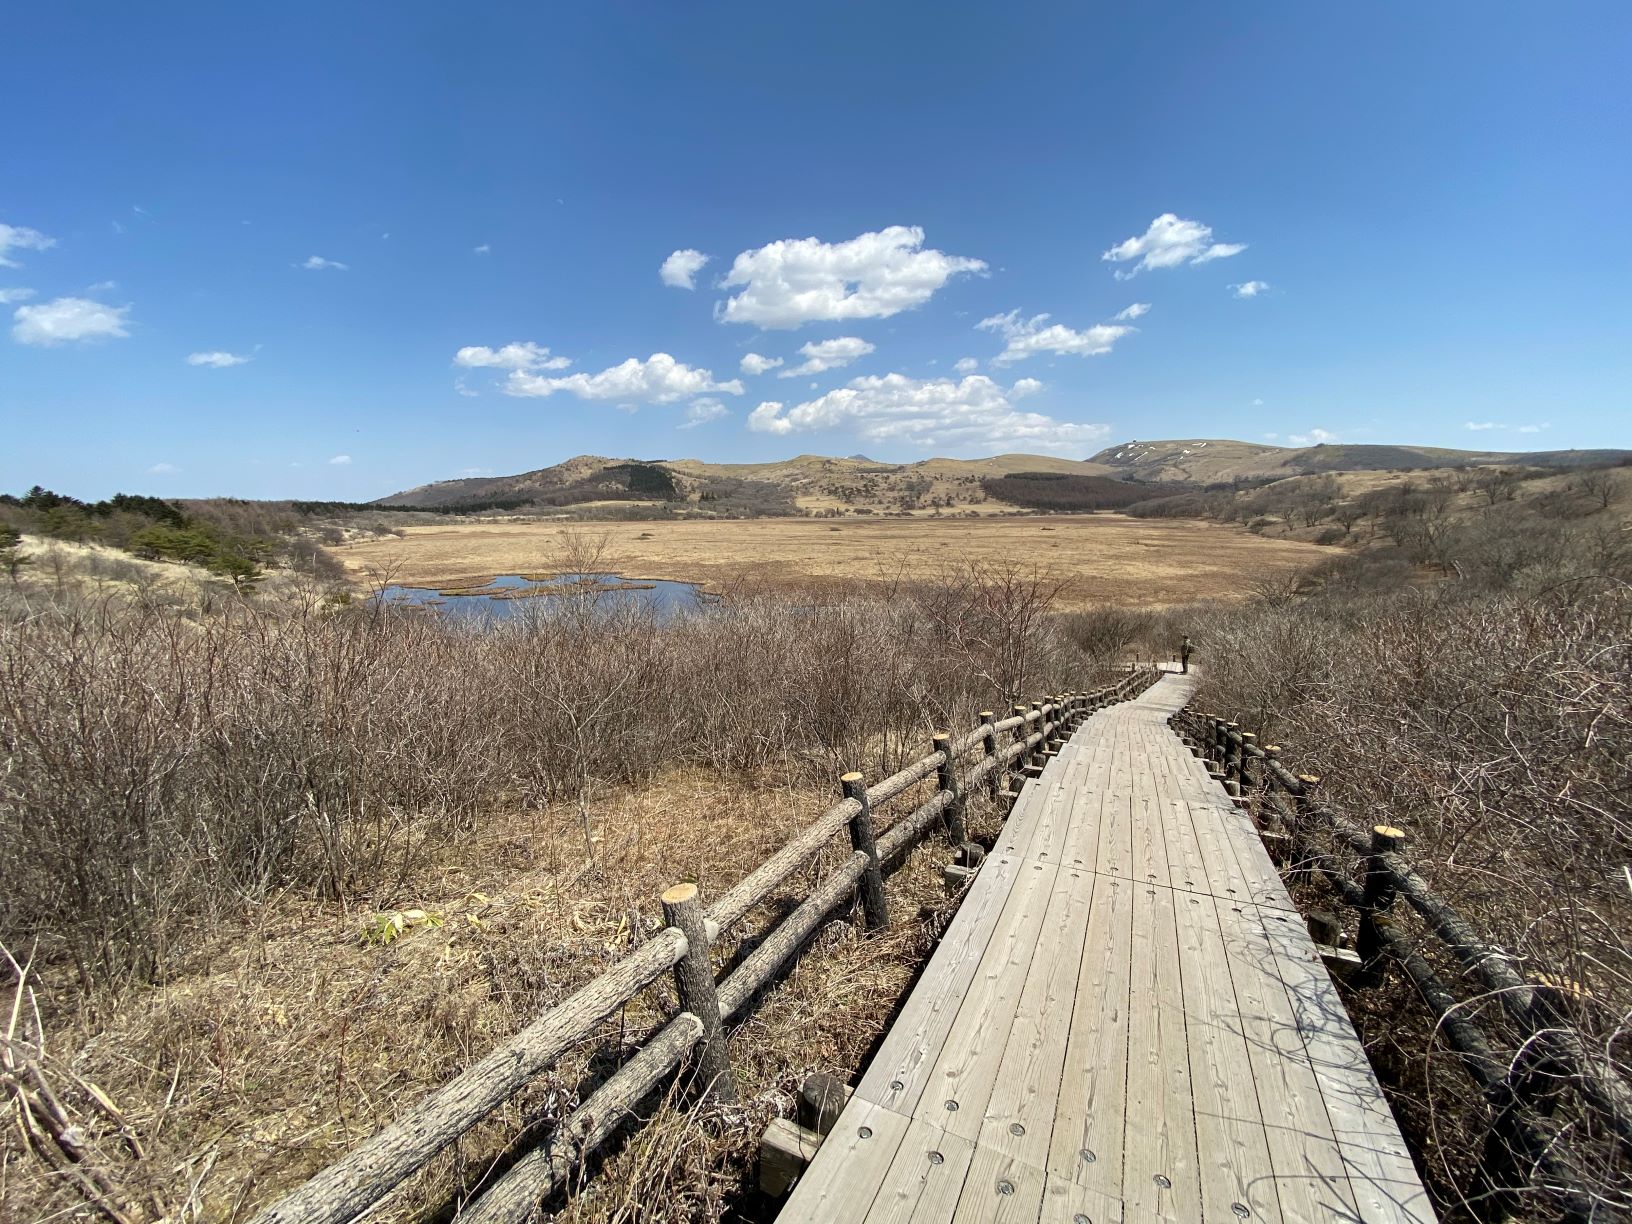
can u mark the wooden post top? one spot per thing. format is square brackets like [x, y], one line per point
[987, 716]
[1309, 779]
[940, 737]
[852, 776]
[1386, 837]
[680, 894]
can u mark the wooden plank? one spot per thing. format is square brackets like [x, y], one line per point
[1310, 1176]
[849, 1168]
[1232, 1150]
[899, 1071]
[1020, 1114]
[1065, 1202]
[1086, 1145]
[999, 1190]
[963, 1076]
[1159, 1153]
[1384, 1179]
[926, 1178]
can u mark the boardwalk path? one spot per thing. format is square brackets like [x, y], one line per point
[1125, 1021]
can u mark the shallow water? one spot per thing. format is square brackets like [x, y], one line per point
[495, 600]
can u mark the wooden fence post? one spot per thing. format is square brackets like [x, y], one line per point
[1232, 758]
[988, 745]
[1252, 769]
[1300, 871]
[861, 838]
[1018, 765]
[1035, 756]
[694, 980]
[946, 777]
[1378, 898]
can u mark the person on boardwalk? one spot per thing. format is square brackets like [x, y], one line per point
[1184, 656]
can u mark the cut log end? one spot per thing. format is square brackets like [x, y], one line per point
[852, 776]
[680, 894]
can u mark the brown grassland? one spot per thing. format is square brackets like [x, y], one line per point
[1102, 558]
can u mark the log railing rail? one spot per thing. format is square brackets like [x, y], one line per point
[365, 1175]
[1525, 1147]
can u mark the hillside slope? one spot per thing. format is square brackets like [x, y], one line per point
[1214, 460]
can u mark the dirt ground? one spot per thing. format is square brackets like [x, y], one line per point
[1107, 558]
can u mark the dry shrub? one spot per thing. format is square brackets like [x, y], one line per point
[1495, 727]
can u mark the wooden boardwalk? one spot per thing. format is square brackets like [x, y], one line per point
[1126, 1021]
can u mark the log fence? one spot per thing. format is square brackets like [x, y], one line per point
[1527, 1148]
[697, 1034]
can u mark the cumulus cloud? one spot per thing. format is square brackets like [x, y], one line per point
[804, 280]
[1315, 437]
[822, 355]
[1130, 313]
[753, 363]
[1167, 243]
[517, 355]
[484, 249]
[68, 318]
[680, 269]
[340, 460]
[965, 365]
[163, 469]
[659, 379]
[9, 296]
[1249, 289]
[701, 412]
[971, 413]
[1029, 337]
[21, 238]
[316, 263]
[216, 360]
[1482, 425]
[1024, 387]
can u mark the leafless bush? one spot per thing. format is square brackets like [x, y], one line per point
[1495, 727]
[167, 767]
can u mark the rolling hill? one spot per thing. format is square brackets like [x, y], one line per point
[820, 484]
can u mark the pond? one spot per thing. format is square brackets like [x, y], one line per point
[517, 595]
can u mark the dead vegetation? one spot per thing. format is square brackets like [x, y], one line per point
[279, 867]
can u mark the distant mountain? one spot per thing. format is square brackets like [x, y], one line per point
[1212, 460]
[816, 483]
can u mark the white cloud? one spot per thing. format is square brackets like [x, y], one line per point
[21, 238]
[1257, 403]
[316, 263]
[68, 318]
[1482, 425]
[972, 413]
[753, 363]
[340, 460]
[1024, 387]
[1530, 429]
[804, 280]
[1029, 337]
[8, 296]
[163, 469]
[484, 249]
[1169, 242]
[680, 269]
[1249, 289]
[965, 365]
[517, 355]
[1315, 437]
[216, 360]
[823, 355]
[660, 379]
[1130, 313]
[701, 412]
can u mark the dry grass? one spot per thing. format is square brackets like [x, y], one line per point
[1103, 558]
[290, 1039]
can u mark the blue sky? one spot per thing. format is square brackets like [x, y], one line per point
[337, 250]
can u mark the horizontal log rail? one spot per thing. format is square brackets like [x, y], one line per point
[365, 1175]
[1522, 1085]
